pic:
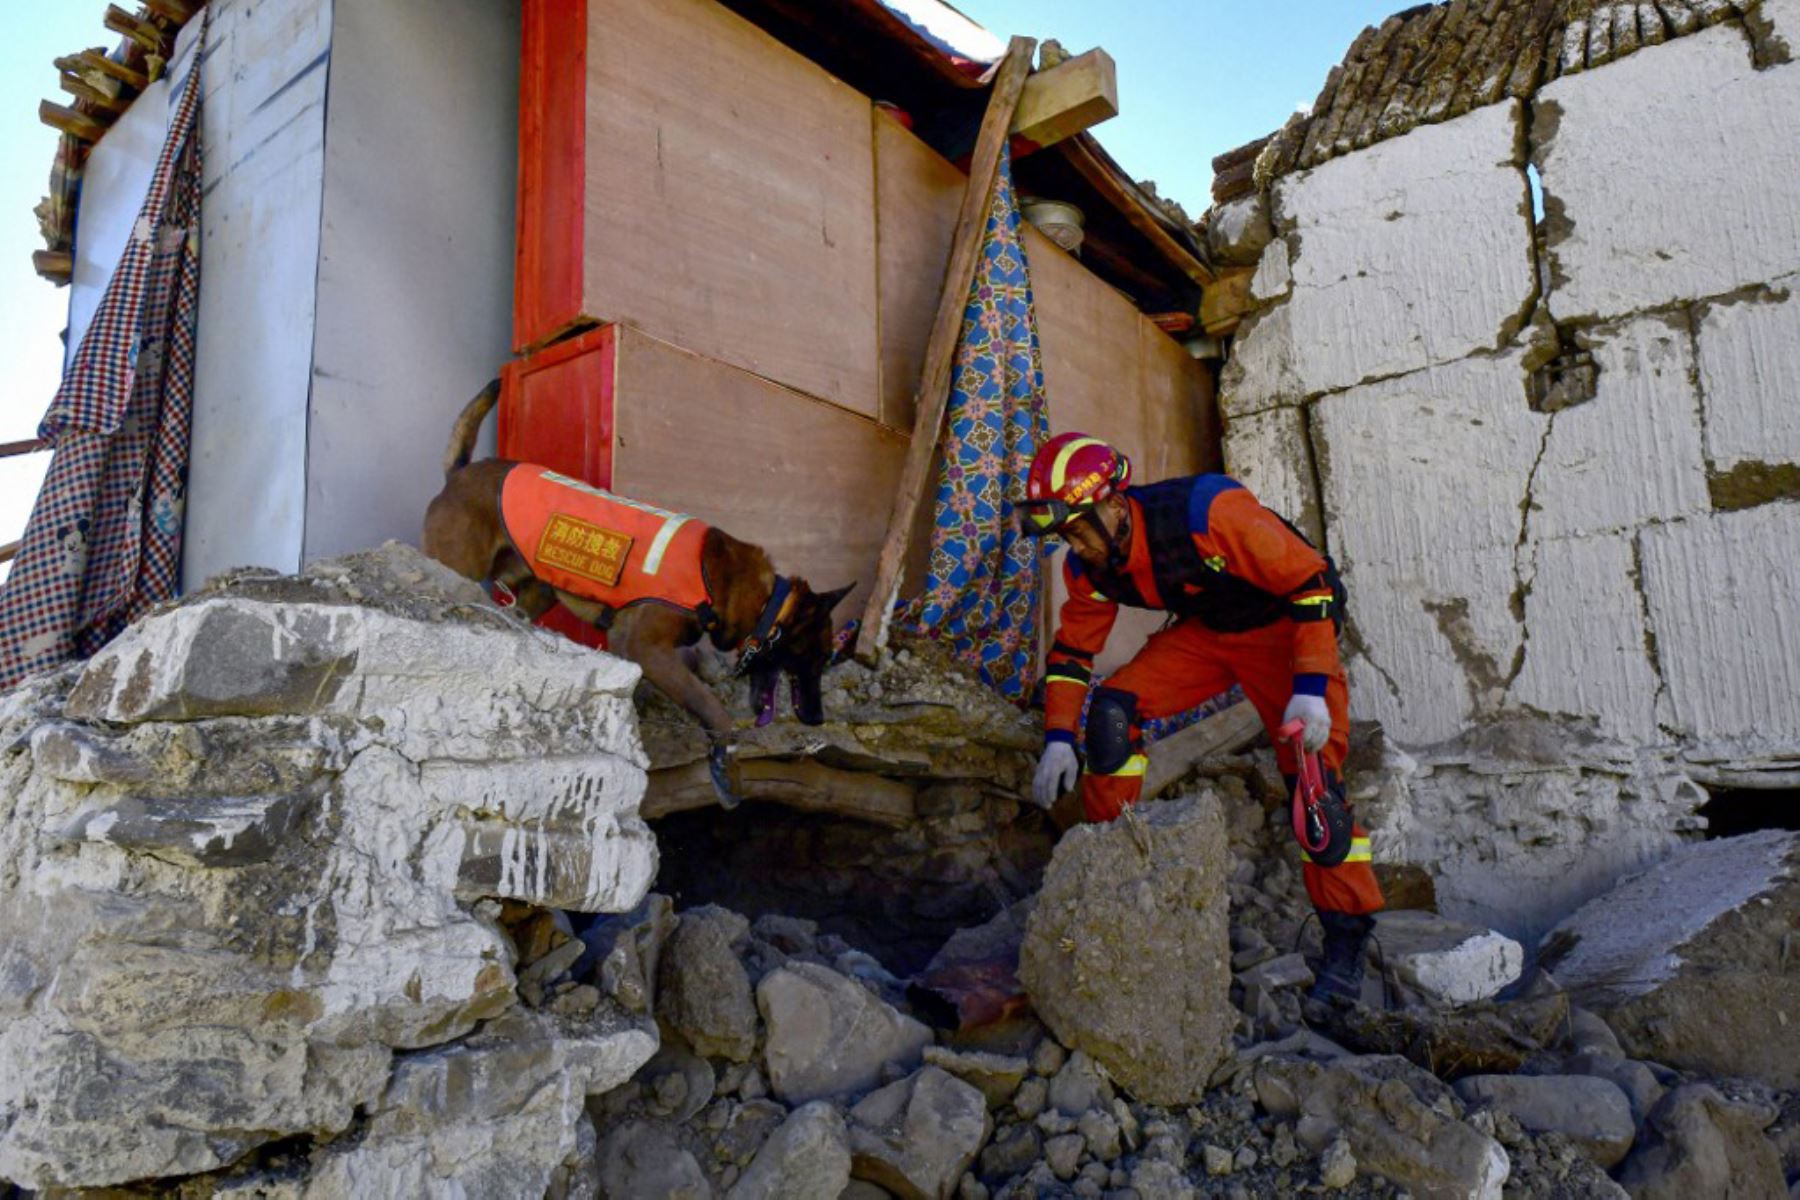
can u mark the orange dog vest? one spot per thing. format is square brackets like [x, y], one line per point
[599, 546]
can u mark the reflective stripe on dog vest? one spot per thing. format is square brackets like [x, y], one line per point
[588, 542]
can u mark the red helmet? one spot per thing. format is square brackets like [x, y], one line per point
[1069, 475]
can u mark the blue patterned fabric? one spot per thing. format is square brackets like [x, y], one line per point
[981, 587]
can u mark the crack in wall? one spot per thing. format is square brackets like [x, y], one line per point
[1652, 651]
[1517, 603]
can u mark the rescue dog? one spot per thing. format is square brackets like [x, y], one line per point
[656, 581]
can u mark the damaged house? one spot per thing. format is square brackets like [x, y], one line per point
[329, 878]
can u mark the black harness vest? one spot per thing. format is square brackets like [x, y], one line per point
[1189, 585]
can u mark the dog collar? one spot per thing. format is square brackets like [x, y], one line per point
[768, 626]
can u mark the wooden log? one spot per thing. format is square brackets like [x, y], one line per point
[58, 266]
[1074, 95]
[65, 120]
[804, 783]
[1227, 301]
[932, 396]
[1222, 733]
[94, 62]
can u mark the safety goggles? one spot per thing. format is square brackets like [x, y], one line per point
[1042, 518]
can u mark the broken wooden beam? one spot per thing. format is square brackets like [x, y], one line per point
[68, 121]
[804, 784]
[81, 89]
[176, 12]
[933, 394]
[1074, 95]
[1222, 733]
[144, 32]
[1227, 301]
[1085, 154]
[93, 61]
[58, 266]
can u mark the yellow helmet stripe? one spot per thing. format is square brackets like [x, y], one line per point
[1059, 469]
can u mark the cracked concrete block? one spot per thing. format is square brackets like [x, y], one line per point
[1721, 594]
[1518, 846]
[1586, 652]
[1631, 454]
[1274, 274]
[1749, 376]
[1412, 253]
[1725, 209]
[1268, 453]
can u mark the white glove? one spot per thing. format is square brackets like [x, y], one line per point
[1057, 772]
[1312, 710]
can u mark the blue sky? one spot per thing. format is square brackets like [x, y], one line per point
[1196, 77]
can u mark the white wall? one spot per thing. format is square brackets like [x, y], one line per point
[1567, 618]
[264, 128]
[416, 255]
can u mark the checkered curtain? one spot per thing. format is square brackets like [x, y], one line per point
[981, 587]
[104, 540]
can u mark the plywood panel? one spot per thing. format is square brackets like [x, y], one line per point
[1181, 425]
[730, 203]
[919, 194]
[807, 481]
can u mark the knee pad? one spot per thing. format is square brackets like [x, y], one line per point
[1340, 822]
[1110, 738]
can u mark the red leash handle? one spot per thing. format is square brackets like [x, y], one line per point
[1310, 829]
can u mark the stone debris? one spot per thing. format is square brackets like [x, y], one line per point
[916, 1137]
[1591, 1112]
[828, 1036]
[1446, 960]
[251, 859]
[1700, 1143]
[809, 1155]
[1688, 960]
[1126, 953]
[703, 992]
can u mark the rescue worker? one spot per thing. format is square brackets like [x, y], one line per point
[1254, 604]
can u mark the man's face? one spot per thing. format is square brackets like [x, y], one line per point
[1085, 541]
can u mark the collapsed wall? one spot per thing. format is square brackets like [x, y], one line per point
[1530, 372]
[252, 856]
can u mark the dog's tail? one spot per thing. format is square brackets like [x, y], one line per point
[462, 434]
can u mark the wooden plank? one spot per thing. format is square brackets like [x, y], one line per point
[1222, 733]
[1179, 416]
[81, 89]
[177, 12]
[1085, 155]
[803, 784]
[139, 30]
[28, 446]
[730, 197]
[10, 551]
[934, 383]
[1076, 94]
[917, 196]
[94, 61]
[1091, 345]
[67, 121]
[1227, 301]
[551, 219]
[809, 482]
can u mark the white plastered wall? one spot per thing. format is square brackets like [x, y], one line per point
[1565, 618]
[415, 267]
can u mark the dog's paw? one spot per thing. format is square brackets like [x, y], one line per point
[727, 780]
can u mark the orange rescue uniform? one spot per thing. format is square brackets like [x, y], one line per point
[1228, 634]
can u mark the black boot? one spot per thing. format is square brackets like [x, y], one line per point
[1341, 967]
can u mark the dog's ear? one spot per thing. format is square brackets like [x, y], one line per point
[830, 600]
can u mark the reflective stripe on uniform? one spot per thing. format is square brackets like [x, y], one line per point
[1059, 468]
[1068, 673]
[660, 544]
[1134, 767]
[1359, 852]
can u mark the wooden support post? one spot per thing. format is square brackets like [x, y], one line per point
[93, 61]
[1074, 95]
[1227, 301]
[66, 120]
[933, 395]
[81, 89]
